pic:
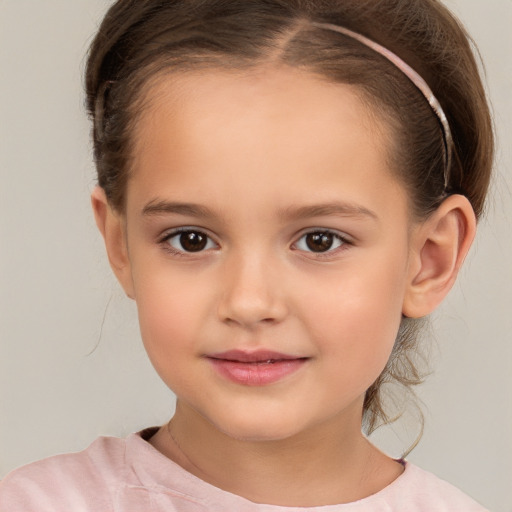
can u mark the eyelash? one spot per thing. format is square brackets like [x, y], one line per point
[341, 239]
[165, 241]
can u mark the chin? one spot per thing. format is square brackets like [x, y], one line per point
[250, 429]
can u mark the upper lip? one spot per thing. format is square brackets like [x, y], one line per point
[255, 356]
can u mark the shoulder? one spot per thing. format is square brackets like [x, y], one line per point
[77, 481]
[424, 492]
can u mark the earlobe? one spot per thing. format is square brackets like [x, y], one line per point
[111, 226]
[439, 247]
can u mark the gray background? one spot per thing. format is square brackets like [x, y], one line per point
[59, 302]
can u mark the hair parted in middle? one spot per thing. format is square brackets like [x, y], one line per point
[141, 41]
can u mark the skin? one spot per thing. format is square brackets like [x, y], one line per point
[271, 155]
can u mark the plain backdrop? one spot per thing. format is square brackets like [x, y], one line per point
[71, 363]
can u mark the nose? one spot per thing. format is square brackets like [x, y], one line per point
[252, 293]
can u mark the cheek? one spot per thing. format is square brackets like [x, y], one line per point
[356, 318]
[170, 315]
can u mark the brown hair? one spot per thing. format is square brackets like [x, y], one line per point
[141, 39]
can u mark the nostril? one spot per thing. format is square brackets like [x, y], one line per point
[268, 314]
[246, 322]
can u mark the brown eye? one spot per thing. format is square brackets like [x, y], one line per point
[190, 241]
[193, 241]
[320, 241]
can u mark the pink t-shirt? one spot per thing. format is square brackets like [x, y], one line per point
[129, 475]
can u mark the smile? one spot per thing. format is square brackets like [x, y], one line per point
[255, 368]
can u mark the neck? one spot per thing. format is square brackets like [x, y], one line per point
[326, 465]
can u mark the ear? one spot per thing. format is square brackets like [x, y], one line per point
[439, 246]
[112, 227]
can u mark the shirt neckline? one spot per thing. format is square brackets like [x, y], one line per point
[159, 474]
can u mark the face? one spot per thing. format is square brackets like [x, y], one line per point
[268, 248]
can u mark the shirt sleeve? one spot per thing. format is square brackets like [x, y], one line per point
[63, 483]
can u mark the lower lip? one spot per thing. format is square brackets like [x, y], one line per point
[256, 374]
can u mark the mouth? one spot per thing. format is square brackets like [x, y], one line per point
[258, 368]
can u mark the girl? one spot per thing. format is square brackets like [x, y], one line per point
[284, 189]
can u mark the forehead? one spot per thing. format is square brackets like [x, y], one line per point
[282, 126]
[272, 93]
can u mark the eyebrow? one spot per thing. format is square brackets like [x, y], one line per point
[327, 209]
[161, 207]
[157, 207]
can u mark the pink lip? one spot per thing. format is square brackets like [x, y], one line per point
[255, 368]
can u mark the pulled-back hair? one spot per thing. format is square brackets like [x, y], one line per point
[139, 40]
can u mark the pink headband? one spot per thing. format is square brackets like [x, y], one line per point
[415, 78]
